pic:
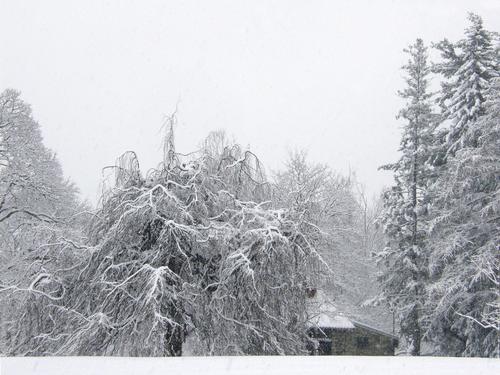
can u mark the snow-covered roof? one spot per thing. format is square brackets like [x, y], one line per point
[324, 320]
[373, 329]
[323, 314]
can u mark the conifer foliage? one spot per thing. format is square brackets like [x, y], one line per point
[463, 233]
[442, 216]
[467, 66]
[464, 263]
[405, 256]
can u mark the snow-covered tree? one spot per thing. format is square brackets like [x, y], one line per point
[38, 209]
[366, 303]
[404, 258]
[195, 249]
[371, 236]
[467, 66]
[464, 295]
[322, 198]
[30, 174]
[338, 206]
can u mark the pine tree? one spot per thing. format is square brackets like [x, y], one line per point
[404, 204]
[465, 262]
[463, 186]
[467, 66]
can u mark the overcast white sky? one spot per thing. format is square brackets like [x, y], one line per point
[277, 75]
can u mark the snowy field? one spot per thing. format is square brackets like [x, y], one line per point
[249, 366]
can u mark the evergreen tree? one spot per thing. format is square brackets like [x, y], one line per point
[464, 294]
[467, 66]
[462, 192]
[404, 204]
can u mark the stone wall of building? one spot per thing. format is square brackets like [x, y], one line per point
[357, 341]
[360, 341]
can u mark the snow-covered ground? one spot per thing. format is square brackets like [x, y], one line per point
[248, 366]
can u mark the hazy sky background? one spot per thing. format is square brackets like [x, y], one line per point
[277, 75]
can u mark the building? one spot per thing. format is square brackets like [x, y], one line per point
[332, 333]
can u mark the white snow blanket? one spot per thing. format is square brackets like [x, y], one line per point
[249, 366]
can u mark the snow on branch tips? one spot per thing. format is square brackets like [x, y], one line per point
[195, 248]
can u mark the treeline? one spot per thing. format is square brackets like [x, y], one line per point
[441, 217]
